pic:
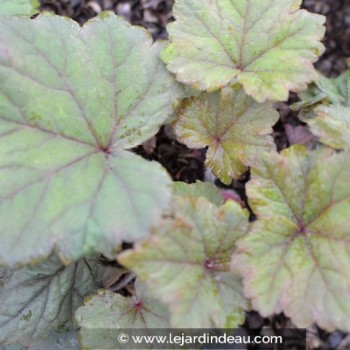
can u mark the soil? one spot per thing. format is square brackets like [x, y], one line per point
[187, 165]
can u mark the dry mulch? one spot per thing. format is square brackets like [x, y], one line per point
[186, 164]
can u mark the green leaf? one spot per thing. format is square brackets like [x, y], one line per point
[332, 125]
[235, 127]
[107, 311]
[18, 7]
[199, 189]
[72, 100]
[325, 107]
[55, 341]
[328, 91]
[37, 300]
[296, 257]
[186, 263]
[268, 46]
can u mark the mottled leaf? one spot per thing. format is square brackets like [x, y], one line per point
[18, 7]
[37, 300]
[332, 125]
[199, 189]
[235, 127]
[108, 311]
[296, 257]
[72, 100]
[186, 263]
[268, 46]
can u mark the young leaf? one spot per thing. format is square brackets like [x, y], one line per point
[235, 127]
[18, 7]
[72, 100]
[186, 263]
[332, 125]
[330, 121]
[296, 257]
[328, 91]
[107, 311]
[37, 300]
[268, 46]
[199, 189]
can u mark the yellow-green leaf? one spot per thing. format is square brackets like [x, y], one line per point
[332, 125]
[199, 189]
[186, 263]
[328, 91]
[18, 7]
[268, 46]
[296, 257]
[106, 313]
[325, 107]
[235, 128]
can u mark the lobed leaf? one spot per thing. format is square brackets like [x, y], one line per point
[268, 46]
[38, 300]
[72, 101]
[18, 7]
[235, 128]
[186, 262]
[296, 257]
[108, 311]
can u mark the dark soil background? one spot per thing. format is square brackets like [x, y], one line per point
[186, 164]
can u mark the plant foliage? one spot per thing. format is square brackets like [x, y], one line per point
[55, 341]
[107, 310]
[38, 300]
[325, 107]
[199, 189]
[328, 91]
[72, 101]
[332, 125]
[296, 256]
[235, 128]
[18, 7]
[186, 263]
[267, 46]
[76, 101]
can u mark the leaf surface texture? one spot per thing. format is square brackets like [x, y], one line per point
[296, 257]
[235, 128]
[72, 101]
[268, 46]
[186, 263]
